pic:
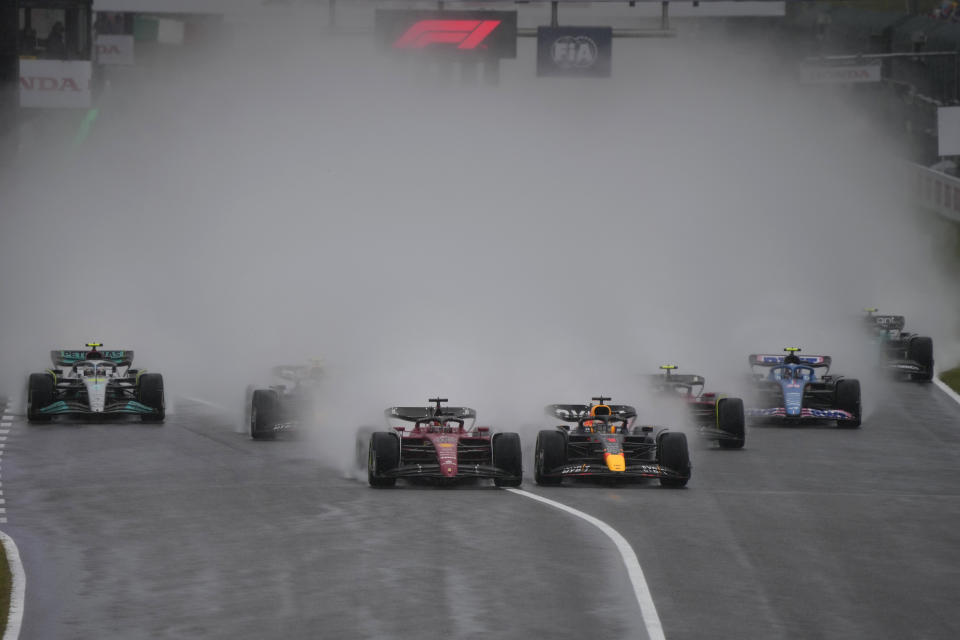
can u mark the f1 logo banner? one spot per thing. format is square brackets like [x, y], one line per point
[574, 51]
[489, 34]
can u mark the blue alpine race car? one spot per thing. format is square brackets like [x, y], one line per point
[790, 391]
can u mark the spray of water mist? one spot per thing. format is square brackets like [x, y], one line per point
[507, 247]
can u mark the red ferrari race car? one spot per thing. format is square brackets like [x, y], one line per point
[443, 444]
[716, 416]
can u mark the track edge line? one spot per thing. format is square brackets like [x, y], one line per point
[648, 611]
[946, 389]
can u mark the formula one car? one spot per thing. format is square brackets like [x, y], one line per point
[901, 352]
[94, 383]
[443, 445]
[792, 392]
[715, 415]
[286, 405]
[601, 442]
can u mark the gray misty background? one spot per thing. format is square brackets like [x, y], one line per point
[545, 240]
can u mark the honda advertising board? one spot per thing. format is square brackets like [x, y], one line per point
[488, 34]
[55, 83]
[574, 51]
[841, 74]
[114, 49]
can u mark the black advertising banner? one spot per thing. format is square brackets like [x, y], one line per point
[574, 51]
[487, 34]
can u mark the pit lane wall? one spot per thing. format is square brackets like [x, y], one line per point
[936, 191]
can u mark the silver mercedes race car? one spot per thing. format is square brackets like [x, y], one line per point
[94, 383]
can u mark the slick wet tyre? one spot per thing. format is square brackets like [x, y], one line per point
[263, 407]
[674, 455]
[920, 350]
[507, 456]
[730, 419]
[150, 393]
[549, 454]
[848, 399]
[40, 392]
[383, 457]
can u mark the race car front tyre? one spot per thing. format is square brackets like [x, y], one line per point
[848, 399]
[920, 350]
[150, 393]
[507, 456]
[730, 420]
[383, 456]
[263, 407]
[39, 394]
[674, 455]
[550, 453]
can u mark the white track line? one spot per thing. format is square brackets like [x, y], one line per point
[640, 589]
[946, 389]
[15, 618]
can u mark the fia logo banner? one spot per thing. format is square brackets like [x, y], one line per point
[574, 51]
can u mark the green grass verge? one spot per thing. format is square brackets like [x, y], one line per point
[952, 378]
[6, 585]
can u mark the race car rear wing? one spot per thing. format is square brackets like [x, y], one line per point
[688, 379]
[295, 372]
[771, 360]
[888, 322]
[412, 414]
[574, 412]
[69, 357]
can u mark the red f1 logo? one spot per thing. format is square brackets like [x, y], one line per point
[466, 34]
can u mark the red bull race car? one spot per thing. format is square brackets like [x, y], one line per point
[443, 445]
[717, 417]
[600, 441]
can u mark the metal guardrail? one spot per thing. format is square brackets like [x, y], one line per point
[525, 32]
[937, 191]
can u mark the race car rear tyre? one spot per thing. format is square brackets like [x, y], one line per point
[848, 399]
[674, 455]
[730, 420]
[150, 393]
[263, 407]
[920, 350]
[384, 455]
[550, 453]
[39, 394]
[508, 456]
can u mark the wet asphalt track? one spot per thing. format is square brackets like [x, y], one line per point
[192, 530]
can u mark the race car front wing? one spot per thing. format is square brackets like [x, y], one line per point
[805, 414]
[638, 470]
[433, 470]
[65, 407]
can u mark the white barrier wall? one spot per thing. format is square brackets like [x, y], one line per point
[937, 191]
